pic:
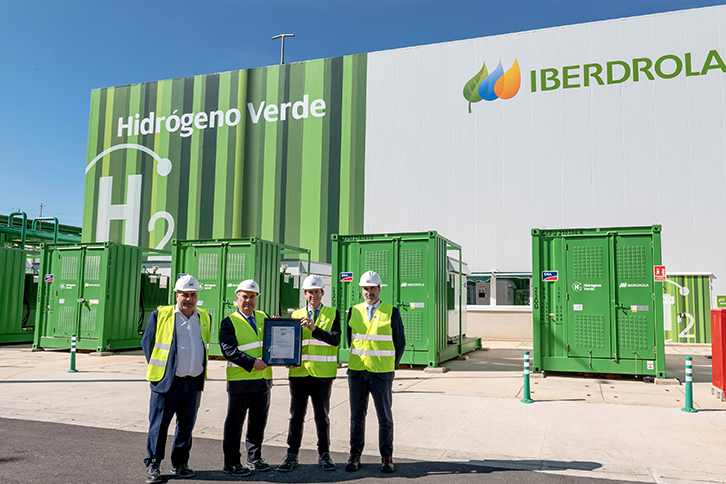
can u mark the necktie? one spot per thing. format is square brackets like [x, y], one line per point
[371, 311]
[251, 320]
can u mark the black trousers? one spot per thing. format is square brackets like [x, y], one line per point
[181, 400]
[318, 390]
[361, 385]
[238, 406]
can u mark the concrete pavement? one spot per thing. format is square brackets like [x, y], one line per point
[619, 428]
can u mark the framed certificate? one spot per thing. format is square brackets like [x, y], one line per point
[282, 342]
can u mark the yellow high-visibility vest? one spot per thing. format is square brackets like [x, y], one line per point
[371, 345]
[250, 343]
[319, 359]
[162, 343]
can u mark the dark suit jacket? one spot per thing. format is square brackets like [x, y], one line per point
[399, 341]
[147, 343]
[228, 344]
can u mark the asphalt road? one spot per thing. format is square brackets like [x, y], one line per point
[39, 452]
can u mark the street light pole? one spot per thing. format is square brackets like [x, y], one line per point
[282, 50]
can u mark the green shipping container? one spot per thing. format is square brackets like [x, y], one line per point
[596, 305]
[91, 290]
[154, 293]
[220, 265]
[13, 309]
[414, 272]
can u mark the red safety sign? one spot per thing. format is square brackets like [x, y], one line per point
[659, 274]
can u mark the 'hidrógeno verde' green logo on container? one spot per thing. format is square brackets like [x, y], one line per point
[497, 85]
[619, 71]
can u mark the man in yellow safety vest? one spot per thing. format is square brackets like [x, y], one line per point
[314, 377]
[376, 344]
[175, 344]
[249, 380]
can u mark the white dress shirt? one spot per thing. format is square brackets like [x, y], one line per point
[189, 344]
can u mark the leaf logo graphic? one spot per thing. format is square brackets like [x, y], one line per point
[495, 85]
[471, 89]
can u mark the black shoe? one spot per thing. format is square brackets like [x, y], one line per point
[289, 463]
[259, 465]
[387, 466]
[153, 473]
[237, 471]
[353, 462]
[326, 462]
[183, 471]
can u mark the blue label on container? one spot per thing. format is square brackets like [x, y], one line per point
[49, 278]
[549, 276]
[346, 277]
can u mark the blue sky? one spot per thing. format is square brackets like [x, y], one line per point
[55, 53]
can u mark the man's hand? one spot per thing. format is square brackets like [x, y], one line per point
[307, 323]
[259, 364]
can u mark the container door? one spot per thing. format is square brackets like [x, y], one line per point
[207, 261]
[413, 293]
[239, 266]
[636, 315]
[66, 292]
[92, 298]
[588, 298]
[378, 256]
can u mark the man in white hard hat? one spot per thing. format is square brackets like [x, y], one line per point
[377, 342]
[314, 377]
[175, 343]
[249, 380]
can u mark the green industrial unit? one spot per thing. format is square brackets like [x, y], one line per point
[154, 293]
[91, 290]
[290, 293]
[14, 327]
[597, 307]
[415, 276]
[221, 264]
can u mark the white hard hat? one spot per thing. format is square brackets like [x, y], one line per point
[370, 278]
[248, 285]
[186, 283]
[313, 282]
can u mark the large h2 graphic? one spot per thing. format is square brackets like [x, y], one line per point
[129, 212]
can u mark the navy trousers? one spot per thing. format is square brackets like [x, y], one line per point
[361, 385]
[318, 390]
[238, 405]
[181, 400]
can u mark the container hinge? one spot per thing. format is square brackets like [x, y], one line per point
[652, 296]
[567, 246]
[568, 348]
[567, 296]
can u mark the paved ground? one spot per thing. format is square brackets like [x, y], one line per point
[619, 428]
[41, 452]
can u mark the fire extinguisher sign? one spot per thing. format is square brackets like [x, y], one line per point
[659, 273]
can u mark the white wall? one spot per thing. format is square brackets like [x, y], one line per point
[635, 153]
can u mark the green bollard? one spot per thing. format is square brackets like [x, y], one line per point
[689, 386]
[526, 398]
[73, 354]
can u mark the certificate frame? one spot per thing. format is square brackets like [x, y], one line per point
[274, 326]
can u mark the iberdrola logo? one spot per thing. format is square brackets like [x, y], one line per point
[498, 84]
